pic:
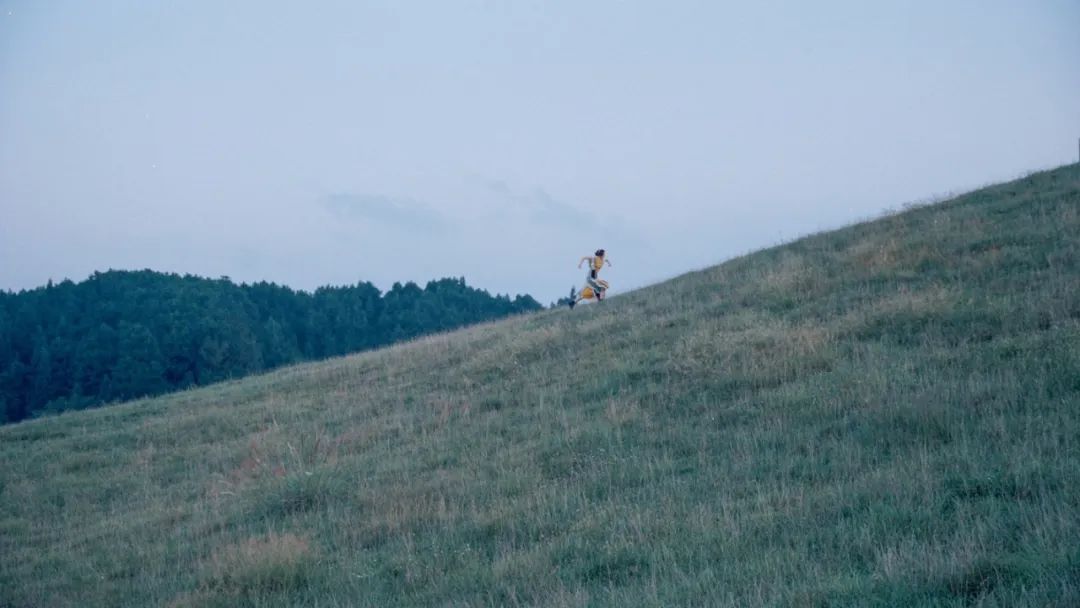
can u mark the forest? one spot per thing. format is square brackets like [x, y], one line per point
[120, 335]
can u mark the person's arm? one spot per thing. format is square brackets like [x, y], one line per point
[582, 261]
[607, 261]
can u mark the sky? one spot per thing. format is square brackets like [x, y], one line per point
[326, 143]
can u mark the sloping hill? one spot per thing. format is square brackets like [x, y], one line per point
[886, 414]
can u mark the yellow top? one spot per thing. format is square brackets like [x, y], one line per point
[595, 263]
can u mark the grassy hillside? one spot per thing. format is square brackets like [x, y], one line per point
[887, 414]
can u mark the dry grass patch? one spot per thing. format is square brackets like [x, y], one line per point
[260, 566]
[778, 351]
[280, 474]
[270, 454]
[445, 407]
[791, 275]
[902, 315]
[895, 255]
[920, 301]
[875, 255]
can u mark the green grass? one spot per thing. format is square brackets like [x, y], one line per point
[884, 415]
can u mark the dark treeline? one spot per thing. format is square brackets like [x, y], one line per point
[119, 334]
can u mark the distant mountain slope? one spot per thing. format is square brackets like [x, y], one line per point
[887, 414]
[120, 335]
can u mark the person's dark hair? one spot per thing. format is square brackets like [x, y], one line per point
[599, 253]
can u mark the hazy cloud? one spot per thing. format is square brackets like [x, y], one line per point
[547, 209]
[542, 207]
[401, 213]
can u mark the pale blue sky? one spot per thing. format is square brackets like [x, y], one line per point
[330, 142]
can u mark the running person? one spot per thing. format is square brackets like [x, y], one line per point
[592, 280]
